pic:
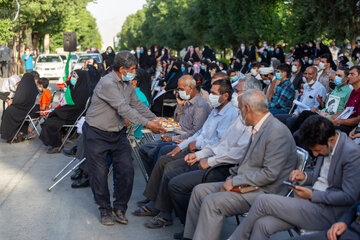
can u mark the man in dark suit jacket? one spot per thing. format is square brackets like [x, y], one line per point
[270, 157]
[335, 186]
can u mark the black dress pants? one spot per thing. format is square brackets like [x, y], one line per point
[98, 145]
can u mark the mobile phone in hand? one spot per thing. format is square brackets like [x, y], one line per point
[290, 184]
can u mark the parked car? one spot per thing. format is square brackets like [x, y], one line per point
[83, 58]
[50, 66]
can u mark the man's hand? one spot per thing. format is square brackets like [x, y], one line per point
[126, 122]
[190, 159]
[294, 115]
[336, 122]
[178, 141]
[204, 164]
[179, 101]
[302, 192]
[227, 186]
[336, 230]
[323, 114]
[174, 151]
[352, 134]
[155, 127]
[166, 138]
[296, 176]
[192, 146]
[314, 110]
[319, 99]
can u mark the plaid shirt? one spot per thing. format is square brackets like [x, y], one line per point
[283, 97]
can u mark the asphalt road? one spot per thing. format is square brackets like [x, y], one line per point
[29, 212]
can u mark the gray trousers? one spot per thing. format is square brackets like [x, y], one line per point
[154, 183]
[208, 207]
[351, 233]
[274, 213]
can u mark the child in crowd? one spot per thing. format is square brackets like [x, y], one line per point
[44, 102]
[45, 98]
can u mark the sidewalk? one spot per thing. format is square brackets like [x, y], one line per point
[29, 212]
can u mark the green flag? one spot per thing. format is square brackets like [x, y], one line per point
[67, 67]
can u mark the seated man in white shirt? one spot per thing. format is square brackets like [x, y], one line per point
[269, 158]
[215, 126]
[312, 89]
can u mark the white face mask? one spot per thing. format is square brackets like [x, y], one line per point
[183, 95]
[311, 82]
[258, 77]
[321, 66]
[253, 72]
[294, 68]
[267, 82]
[149, 53]
[214, 100]
[234, 100]
[259, 60]
[304, 79]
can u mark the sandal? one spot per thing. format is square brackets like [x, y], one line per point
[143, 211]
[158, 222]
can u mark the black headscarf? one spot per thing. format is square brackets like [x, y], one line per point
[23, 101]
[173, 76]
[144, 83]
[80, 94]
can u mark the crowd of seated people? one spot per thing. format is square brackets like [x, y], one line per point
[240, 125]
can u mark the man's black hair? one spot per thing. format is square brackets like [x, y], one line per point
[225, 87]
[316, 130]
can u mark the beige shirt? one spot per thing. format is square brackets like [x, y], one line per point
[257, 127]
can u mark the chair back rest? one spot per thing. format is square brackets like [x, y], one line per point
[35, 103]
[302, 157]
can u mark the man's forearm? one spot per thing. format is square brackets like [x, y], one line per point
[350, 122]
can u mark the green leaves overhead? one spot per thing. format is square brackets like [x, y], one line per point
[225, 24]
[54, 17]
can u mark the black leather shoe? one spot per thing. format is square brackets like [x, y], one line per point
[106, 217]
[81, 183]
[142, 202]
[77, 174]
[70, 152]
[179, 235]
[120, 216]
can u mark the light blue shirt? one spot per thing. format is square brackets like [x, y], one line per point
[309, 97]
[28, 62]
[214, 127]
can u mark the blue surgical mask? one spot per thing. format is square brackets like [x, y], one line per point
[277, 52]
[278, 76]
[310, 61]
[234, 79]
[141, 51]
[109, 50]
[338, 81]
[203, 67]
[128, 77]
[73, 81]
[183, 69]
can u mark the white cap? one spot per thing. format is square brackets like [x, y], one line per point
[266, 70]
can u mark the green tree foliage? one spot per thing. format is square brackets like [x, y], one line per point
[334, 19]
[6, 31]
[53, 17]
[225, 24]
